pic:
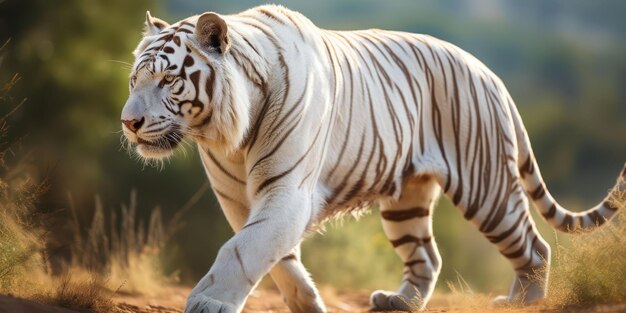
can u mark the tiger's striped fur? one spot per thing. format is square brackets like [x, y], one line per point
[295, 124]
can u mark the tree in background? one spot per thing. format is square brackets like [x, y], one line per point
[70, 57]
[74, 58]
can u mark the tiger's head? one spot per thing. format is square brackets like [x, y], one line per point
[183, 84]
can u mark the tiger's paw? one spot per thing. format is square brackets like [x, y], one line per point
[390, 301]
[518, 300]
[305, 302]
[200, 303]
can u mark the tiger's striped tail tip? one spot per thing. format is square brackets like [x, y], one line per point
[617, 197]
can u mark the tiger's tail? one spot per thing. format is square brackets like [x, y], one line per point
[559, 217]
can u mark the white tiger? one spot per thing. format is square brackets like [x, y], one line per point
[295, 124]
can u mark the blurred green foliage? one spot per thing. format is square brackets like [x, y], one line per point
[563, 62]
[73, 59]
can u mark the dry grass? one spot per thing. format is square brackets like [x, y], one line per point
[21, 263]
[462, 296]
[22, 269]
[124, 259]
[593, 269]
[108, 256]
[82, 296]
[124, 251]
[101, 265]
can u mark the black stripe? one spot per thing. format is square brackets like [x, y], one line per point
[414, 262]
[538, 193]
[610, 205]
[403, 215]
[568, 223]
[277, 177]
[254, 223]
[224, 170]
[409, 239]
[507, 233]
[290, 257]
[243, 270]
[596, 218]
[551, 212]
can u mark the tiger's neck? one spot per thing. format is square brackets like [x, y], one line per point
[261, 65]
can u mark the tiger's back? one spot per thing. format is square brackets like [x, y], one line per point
[414, 101]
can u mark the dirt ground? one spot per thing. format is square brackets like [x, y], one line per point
[269, 300]
[266, 300]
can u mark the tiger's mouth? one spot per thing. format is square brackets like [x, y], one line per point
[160, 147]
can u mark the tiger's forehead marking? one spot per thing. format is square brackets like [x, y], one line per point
[172, 34]
[160, 48]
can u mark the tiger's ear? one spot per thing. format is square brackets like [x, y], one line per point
[154, 25]
[212, 33]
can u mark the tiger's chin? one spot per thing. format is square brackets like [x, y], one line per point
[159, 149]
[147, 151]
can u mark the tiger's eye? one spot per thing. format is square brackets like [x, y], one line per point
[168, 78]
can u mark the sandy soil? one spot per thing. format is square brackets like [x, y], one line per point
[266, 300]
[269, 300]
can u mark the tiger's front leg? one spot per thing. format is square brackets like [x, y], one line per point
[276, 225]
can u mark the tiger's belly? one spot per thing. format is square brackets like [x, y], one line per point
[371, 158]
[362, 178]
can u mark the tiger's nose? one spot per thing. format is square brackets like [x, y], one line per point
[134, 125]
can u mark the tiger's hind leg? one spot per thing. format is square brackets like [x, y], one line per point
[519, 241]
[408, 225]
[510, 227]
